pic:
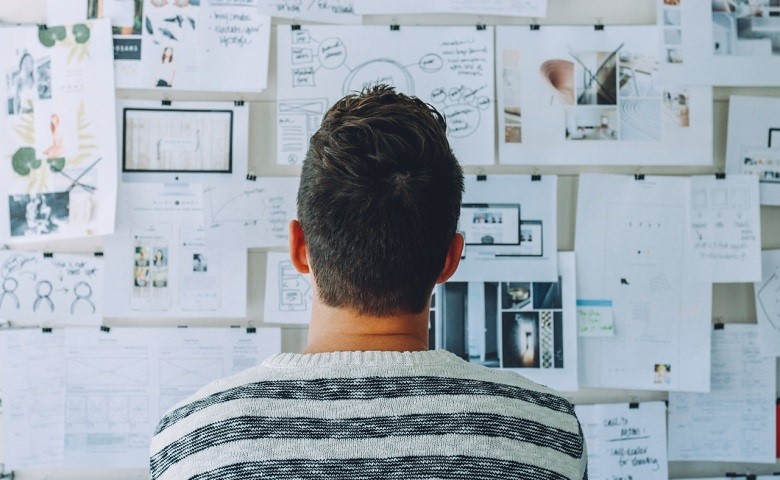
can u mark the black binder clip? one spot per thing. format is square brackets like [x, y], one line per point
[395, 28]
[41, 27]
[633, 405]
[45, 329]
[48, 254]
[6, 475]
[639, 176]
[99, 253]
[534, 25]
[720, 175]
[718, 326]
[251, 330]
[238, 103]
[536, 177]
[251, 177]
[481, 177]
[166, 103]
[481, 26]
[295, 27]
[598, 26]
[105, 328]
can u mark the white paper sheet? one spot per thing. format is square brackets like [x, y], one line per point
[449, 67]
[109, 389]
[213, 45]
[735, 421]
[625, 442]
[767, 293]
[33, 375]
[250, 214]
[720, 42]
[574, 95]
[514, 8]
[509, 222]
[329, 11]
[288, 294]
[158, 264]
[525, 325]
[754, 142]
[632, 242]
[726, 229]
[60, 288]
[59, 177]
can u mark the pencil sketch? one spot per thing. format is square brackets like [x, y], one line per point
[294, 289]
[450, 68]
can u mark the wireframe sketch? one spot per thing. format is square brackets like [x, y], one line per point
[294, 289]
[190, 372]
[451, 67]
[288, 294]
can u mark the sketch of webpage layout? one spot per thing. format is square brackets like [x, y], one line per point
[730, 422]
[722, 42]
[575, 95]
[288, 294]
[524, 325]
[329, 11]
[632, 244]
[40, 288]
[767, 294]
[726, 223]
[250, 214]
[59, 177]
[449, 67]
[509, 224]
[753, 144]
[625, 442]
[515, 8]
[33, 386]
[161, 265]
[205, 45]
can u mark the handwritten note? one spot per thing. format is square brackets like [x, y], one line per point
[235, 38]
[594, 318]
[326, 11]
[625, 443]
[725, 228]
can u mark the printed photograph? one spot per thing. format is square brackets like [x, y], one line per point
[199, 263]
[21, 85]
[160, 267]
[596, 77]
[746, 27]
[126, 15]
[662, 374]
[594, 123]
[38, 214]
[676, 108]
[515, 295]
[520, 339]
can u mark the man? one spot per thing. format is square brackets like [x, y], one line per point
[378, 207]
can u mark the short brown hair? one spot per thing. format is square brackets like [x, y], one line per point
[379, 202]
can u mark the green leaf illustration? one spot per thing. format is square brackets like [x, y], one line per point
[56, 164]
[81, 33]
[48, 36]
[24, 161]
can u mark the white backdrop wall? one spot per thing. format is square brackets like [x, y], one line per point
[731, 302]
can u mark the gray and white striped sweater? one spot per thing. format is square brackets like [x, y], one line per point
[370, 415]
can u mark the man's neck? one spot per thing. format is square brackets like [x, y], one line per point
[340, 330]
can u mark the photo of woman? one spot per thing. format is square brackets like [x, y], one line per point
[57, 148]
[167, 71]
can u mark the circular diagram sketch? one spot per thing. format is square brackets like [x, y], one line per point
[379, 71]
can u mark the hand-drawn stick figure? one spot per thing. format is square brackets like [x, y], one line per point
[10, 285]
[43, 289]
[83, 292]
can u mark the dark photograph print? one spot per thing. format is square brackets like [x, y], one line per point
[38, 214]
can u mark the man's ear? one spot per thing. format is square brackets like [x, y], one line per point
[298, 253]
[452, 260]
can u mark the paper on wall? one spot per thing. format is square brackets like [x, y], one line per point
[735, 421]
[449, 67]
[632, 242]
[720, 42]
[103, 393]
[250, 214]
[726, 229]
[206, 45]
[288, 294]
[515, 8]
[524, 325]
[579, 96]
[56, 133]
[767, 294]
[509, 224]
[625, 442]
[159, 265]
[40, 288]
[753, 144]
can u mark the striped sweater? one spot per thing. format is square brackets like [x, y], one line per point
[370, 415]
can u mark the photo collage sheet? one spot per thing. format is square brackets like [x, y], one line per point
[183, 44]
[57, 90]
[584, 96]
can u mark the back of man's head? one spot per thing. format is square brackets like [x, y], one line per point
[379, 202]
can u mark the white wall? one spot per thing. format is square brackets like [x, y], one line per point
[731, 302]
